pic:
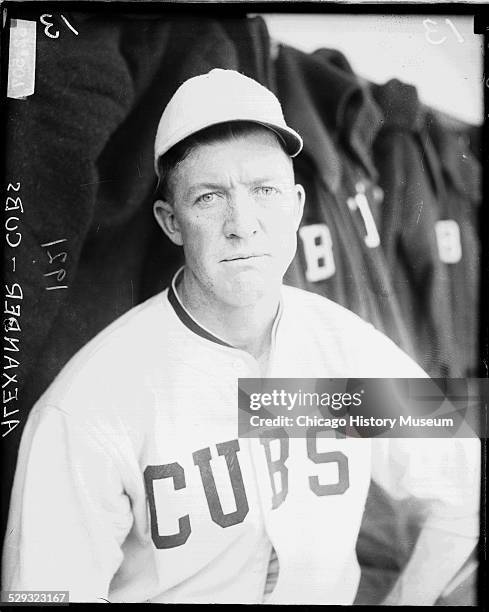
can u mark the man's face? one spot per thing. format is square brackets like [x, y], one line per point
[235, 209]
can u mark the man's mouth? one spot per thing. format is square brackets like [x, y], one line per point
[245, 256]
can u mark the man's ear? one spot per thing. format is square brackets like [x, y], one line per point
[299, 206]
[165, 217]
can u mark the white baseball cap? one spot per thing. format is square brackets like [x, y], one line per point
[221, 96]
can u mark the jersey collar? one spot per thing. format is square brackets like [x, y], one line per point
[188, 320]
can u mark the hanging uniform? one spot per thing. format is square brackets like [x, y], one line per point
[405, 159]
[340, 253]
[132, 478]
[456, 231]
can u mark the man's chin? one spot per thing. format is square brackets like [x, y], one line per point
[248, 287]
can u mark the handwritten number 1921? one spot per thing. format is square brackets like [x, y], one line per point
[59, 274]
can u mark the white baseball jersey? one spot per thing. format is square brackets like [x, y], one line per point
[132, 484]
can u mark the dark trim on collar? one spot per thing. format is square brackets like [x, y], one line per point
[185, 316]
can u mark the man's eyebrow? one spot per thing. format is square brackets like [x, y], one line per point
[204, 187]
[267, 179]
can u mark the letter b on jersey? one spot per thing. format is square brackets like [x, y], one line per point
[277, 467]
[318, 251]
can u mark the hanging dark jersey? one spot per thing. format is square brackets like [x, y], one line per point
[405, 160]
[457, 232]
[339, 252]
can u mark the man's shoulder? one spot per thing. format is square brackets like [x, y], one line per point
[115, 353]
[307, 305]
[135, 327]
[359, 349]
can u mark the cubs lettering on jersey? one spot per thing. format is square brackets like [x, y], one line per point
[229, 450]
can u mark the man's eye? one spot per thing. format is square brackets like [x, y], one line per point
[206, 198]
[266, 191]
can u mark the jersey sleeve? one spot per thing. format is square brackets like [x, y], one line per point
[443, 474]
[69, 514]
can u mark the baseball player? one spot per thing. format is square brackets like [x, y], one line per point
[132, 484]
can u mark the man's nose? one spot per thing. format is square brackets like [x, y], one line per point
[241, 216]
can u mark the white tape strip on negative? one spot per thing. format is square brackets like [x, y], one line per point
[22, 59]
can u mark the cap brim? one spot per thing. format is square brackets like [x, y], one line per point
[291, 139]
